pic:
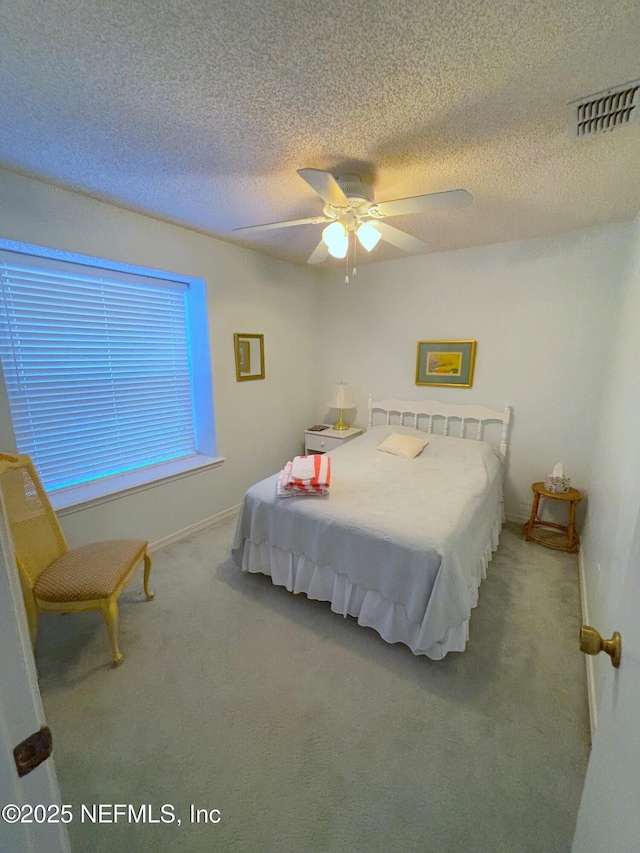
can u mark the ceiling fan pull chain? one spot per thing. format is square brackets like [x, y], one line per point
[346, 266]
[350, 241]
[355, 249]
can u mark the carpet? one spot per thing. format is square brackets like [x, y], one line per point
[284, 728]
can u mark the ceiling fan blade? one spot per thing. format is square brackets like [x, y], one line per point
[425, 203]
[399, 238]
[319, 254]
[311, 220]
[326, 186]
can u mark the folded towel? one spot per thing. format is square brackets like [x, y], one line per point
[287, 486]
[280, 489]
[320, 480]
[303, 468]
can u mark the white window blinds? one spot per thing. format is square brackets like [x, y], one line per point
[97, 368]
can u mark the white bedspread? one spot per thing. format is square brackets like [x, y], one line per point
[416, 533]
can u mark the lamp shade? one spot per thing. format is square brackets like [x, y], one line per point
[341, 398]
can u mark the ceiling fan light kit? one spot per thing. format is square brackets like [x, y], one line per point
[338, 249]
[350, 208]
[368, 235]
[336, 239]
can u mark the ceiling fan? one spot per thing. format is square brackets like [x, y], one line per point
[350, 209]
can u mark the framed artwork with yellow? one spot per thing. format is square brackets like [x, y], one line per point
[448, 363]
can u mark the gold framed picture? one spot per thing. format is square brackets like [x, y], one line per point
[448, 363]
[249, 350]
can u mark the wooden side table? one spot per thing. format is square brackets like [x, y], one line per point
[571, 542]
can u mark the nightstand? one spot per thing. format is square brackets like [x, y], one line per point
[316, 441]
[571, 541]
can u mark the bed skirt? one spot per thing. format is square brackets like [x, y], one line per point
[298, 574]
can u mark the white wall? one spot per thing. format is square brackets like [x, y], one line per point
[613, 516]
[260, 423]
[542, 312]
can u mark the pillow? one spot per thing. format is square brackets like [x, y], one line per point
[403, 445]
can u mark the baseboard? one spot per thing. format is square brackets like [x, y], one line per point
[590, 663]
[518, 519]
[194, 528]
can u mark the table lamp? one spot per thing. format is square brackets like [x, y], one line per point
[341, 399]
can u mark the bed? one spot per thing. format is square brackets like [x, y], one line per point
[399, 544]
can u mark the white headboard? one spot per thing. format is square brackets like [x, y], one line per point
[434, 411]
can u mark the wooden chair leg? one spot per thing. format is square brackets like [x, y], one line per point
[147, 572]
[573, 540]
[528, 527]
[31, 609]
[110, 613]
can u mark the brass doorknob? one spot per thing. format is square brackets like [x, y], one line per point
[591, 643]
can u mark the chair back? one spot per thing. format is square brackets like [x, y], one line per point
[37, 537]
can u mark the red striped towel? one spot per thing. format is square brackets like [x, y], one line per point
[316, 485]
[321, 466]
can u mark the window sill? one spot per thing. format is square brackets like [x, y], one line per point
[88, 495]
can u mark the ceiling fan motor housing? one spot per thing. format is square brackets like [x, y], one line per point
[355, 190]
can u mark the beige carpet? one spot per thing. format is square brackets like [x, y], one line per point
[309, 733]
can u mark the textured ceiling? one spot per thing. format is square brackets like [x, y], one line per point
[200, 111]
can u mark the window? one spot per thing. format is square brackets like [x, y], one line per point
[107, 370]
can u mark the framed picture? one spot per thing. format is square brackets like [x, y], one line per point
[244, 352]
[447, 363]
[249, 351]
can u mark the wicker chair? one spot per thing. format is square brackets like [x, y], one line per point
[54, 577]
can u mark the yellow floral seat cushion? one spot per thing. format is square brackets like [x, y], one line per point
[90, 571]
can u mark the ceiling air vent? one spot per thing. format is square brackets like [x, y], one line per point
[606, 110]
